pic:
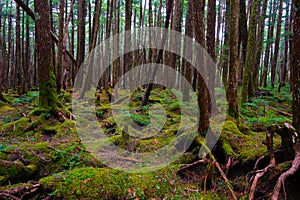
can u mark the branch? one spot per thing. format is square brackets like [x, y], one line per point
[30, 13]
[26, 9]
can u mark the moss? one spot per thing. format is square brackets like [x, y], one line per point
[246, 147]
[101, 183]
[16, 171]
[6, 108]
[17, 126]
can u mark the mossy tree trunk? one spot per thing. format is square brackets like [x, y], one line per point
[46, 78]
[233, 59]
[247, 82]
[295, 65]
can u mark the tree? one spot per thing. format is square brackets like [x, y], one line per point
[247, 82]
[276, 50]
[202, 90]
[81, 37]
[295, 65]
[46, 78]
[211, 41]
[59, 65]
[263, 80]
[233, 60]
[187, 66]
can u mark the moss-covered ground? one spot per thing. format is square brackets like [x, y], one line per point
[45, 147]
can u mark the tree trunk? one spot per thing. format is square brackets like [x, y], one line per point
[211, 41]
[202, 91]
[243, 38]
[18, 53]
[46, 77]
[81, 38]
[247, 82]
[233, 60]
[276, 50]
[187, 65]
[259, 45]
[59, 65]
[160, 53]
[286, 49]
[225, 51]
[295, 64]
[268, 47]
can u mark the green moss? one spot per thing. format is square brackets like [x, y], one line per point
[101, 183]
[246, 147]
[16, 171]
[17, 126]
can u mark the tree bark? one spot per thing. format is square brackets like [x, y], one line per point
[46, 77]
[233, 60]
[247, 82]
[295, 65]
[276, 50]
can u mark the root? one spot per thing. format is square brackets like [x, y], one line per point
[280, 183]
[21, 192]
[202, 161]
[259, 174]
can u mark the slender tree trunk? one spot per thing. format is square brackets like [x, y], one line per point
[18, 53]
[80, 38]
[160, 53]
[247, 83]
[59, 65]
[233, 60]
[225, 52]
[187, 66]
[243, 38]
[276, 50]
[127, 38]
[211, 41]
[259, 45]
[268, 47]
[202, 91]
[286, 47]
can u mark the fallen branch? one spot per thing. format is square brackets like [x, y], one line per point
[284, 113]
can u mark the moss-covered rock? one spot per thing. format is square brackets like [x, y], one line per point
[102, 183]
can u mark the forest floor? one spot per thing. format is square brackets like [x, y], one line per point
[43, 157]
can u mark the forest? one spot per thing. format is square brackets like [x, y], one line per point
[151, 99]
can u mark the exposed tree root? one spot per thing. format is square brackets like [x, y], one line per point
[21, 192]
[280, 183]
[202, 161]
[259, 174]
